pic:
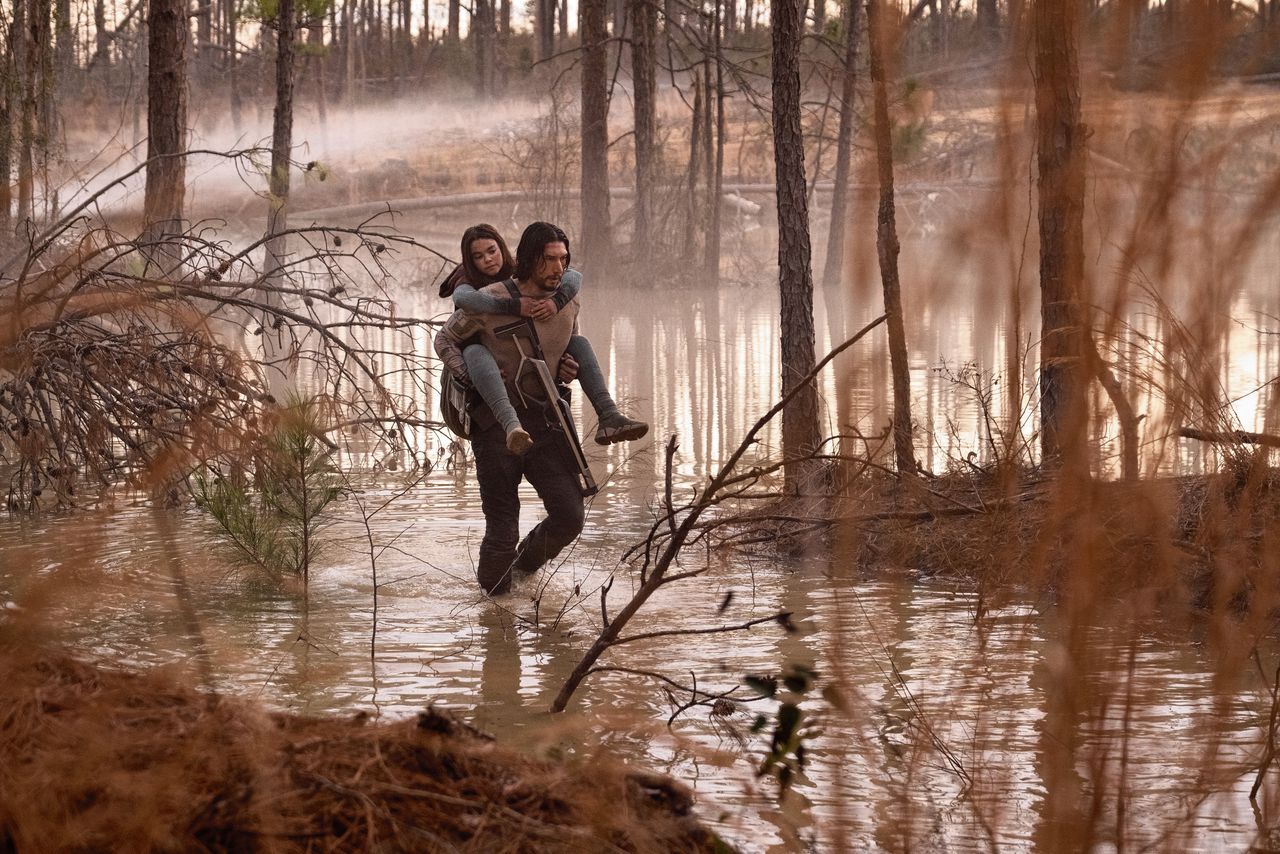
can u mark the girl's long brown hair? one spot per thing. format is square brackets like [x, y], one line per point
[484, 231]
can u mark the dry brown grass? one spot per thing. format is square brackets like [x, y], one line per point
[96, 759]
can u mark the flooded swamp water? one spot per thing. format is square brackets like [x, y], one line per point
[944, 737]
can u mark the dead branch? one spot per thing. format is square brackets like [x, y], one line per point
[1231, 437]
[656, 575]
[107, 370]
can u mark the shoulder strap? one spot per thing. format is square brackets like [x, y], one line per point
[512, 289]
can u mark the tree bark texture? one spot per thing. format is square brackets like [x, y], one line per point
[453, 33]
[887, 246]
[596, 224]
[1060, 161]
[101, 38]
[9, 97]
[503, 72]
[484, 32]
[795, 278]
[545, 21]
[281, 135]
[46, 104]
[29, 58]
[65, 47]
[277, 247]
[644, 28]
[834, 267]
[162, 205]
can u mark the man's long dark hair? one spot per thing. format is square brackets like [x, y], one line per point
[484, 231]
[532, 243]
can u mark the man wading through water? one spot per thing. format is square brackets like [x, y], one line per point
[549, 465]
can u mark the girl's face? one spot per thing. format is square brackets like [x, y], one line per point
[486, 256]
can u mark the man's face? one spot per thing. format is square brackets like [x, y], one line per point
[555, 258]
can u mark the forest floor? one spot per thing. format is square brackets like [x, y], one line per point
[98, 759]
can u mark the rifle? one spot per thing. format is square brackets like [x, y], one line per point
[545, 392]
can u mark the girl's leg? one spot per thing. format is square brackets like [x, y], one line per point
[487, 379]
[614, 426]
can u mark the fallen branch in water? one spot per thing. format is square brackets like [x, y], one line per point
[1231, 437]
[680, 524]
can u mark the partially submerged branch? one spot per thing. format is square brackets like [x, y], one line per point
[681, 524]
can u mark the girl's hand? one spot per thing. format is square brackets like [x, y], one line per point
[568, 371]
[538, 309]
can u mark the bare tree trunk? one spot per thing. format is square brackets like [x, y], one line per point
[162, 205]
[800, 435]
[30, 64]
[988, 20]
[8, 101]
[834, 267]
[711, 199]
[729, 16]
[717, 175]
[102, 39]
[65, 49]
[202, 11]
[887, 248]
[484, 33]
[1060, 158]
[46, 106]
[277, 247]
[455, 21]
[349, 51]
[695, 156]
[281, 135]
[564, 22]
[597, 228]
[546, 26]
[819, 15]
[233, 63]
[503, 51]
[644, 28]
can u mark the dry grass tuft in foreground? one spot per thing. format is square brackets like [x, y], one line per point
[96, 759]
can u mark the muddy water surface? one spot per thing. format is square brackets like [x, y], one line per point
[946, 729]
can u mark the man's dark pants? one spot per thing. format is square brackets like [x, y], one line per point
[549, 467]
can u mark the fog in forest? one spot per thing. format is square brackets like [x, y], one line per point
[953, 329]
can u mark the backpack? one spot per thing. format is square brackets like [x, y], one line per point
[458, 401]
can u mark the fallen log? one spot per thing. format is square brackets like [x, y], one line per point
[1230, 437]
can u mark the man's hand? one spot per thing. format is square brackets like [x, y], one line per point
[538, 309]
[568, 371]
